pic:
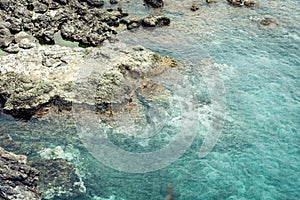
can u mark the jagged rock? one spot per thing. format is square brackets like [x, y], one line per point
[156, 20]
[43, 76]
[58, 179]
[18, 180]
[154, 3]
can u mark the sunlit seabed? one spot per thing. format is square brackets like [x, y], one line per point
[258, 153]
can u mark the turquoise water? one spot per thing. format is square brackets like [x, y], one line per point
[258, 153]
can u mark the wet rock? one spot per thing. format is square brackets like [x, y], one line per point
[154, 3]
[156, 20]
[249, 3]
[113, 1]
[58, 179]
[211, 1]
[133, 23]
[18, 180]
[195, 7]
[236, 2]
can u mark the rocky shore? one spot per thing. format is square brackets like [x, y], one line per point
[38, 78]
[85, 21]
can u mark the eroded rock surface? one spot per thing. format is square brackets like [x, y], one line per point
[18, 181]
[57, 75]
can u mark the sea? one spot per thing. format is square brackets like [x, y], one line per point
[243, 128]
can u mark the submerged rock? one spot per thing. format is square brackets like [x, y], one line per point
[58, 179]
[268, 21]
[18, 180]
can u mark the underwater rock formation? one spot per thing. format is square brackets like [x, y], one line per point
[58, 179]
[18, 181]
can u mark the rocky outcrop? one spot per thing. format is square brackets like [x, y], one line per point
[43, 76]
[42, 19]
[18, 180]
[83, 21]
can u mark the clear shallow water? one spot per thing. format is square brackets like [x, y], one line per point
[258, 153]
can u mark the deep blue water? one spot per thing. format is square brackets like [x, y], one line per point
[258, 153]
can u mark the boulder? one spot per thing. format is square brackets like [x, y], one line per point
[25, 40]
[156, 20]
[236, 2]
[18, 180]
[134, 23]
[154, 3]
[251, 4]
[195, 7]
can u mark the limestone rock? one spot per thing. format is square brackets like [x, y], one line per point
[43, 76]
[18, 180]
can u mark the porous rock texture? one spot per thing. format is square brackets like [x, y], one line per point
[18, 181]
